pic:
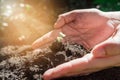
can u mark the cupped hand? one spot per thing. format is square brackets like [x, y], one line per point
[104, 55]
[92, 29]
[87, 27]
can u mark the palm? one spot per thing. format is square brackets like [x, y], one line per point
[88, 29]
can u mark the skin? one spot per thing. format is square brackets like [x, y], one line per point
[92, 28]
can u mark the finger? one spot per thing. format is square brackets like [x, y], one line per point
[98, 64]
[57, 72]
[118, 65]
[82, 65]
[64, 19]
[84, 72]
[110, 47]
[46, 39]
[106, 49]
[65, 69]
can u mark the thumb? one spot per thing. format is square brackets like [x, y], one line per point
[106, 49]
[110, 47]
[64, 19]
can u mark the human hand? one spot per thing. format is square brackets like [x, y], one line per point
[81, 66]
[87, 27]
[95, 61]
[92, 29]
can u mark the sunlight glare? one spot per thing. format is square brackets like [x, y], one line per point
[8, 11]
[4, 24]
[22, 5]
[21, 38]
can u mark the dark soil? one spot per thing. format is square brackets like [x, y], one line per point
[23, 63]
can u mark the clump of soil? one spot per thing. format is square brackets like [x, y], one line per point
[23, 63]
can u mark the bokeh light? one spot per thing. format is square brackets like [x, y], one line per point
[23, 21]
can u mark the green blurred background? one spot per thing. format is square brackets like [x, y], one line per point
[23, 21]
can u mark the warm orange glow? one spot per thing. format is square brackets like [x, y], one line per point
[27, 22]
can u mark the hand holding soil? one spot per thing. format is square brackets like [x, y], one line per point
[94, 30]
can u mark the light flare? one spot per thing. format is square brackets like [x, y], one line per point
[8, 11]
[21, 38]
[26, 22]
[5, 24]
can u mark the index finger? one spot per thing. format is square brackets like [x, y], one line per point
[46, 39]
